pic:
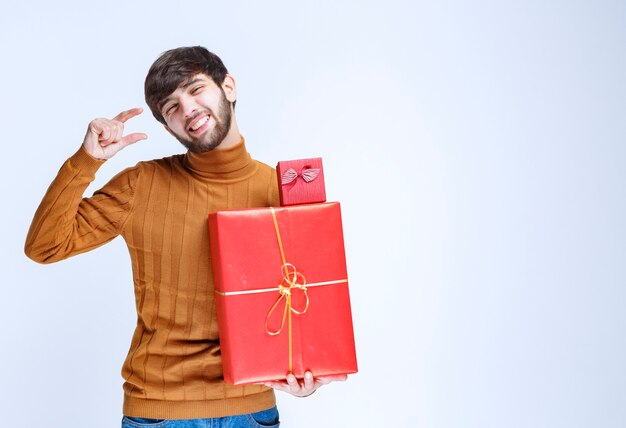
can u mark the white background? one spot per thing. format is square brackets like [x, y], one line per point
[478, 152]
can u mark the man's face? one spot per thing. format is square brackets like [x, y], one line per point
[198, 114]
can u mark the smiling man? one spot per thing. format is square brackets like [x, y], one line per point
[199, 115]
[173, 370]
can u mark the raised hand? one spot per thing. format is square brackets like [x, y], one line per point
[105, 137]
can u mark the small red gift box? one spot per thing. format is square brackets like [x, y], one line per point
[281, 292]
[301, 181]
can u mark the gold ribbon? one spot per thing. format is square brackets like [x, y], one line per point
[292, 281]
[289, 282]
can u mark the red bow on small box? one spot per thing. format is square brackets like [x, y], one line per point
[309, 189]
[307, 174]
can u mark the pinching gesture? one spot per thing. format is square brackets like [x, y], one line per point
[105, 137]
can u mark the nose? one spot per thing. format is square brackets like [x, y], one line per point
[188, 106]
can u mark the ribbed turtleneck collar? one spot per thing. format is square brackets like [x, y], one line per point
[231, 164]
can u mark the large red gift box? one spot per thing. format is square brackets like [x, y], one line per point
[301, 181]
[281, 290]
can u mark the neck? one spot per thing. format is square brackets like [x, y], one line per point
[227, 164]
[232, 138]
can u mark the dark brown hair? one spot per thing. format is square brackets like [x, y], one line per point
[176, 66]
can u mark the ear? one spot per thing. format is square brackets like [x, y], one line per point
[230, 88]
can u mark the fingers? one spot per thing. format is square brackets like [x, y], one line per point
[279, 385]
[106, 130]
[305, 387]
[128, 114]
[301, 389]
[132, 138]
[328, 379]
[105, 137]
[294, 386]
[309, 383]
[114, 129]
[290, 385]
[111, 134]
[102, 128]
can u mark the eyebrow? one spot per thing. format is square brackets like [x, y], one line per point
[183, 85]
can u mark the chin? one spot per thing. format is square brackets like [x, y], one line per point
[197, 147]
[208, 142]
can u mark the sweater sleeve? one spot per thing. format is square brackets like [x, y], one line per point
[66, 224]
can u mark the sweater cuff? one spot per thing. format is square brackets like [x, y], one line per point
[83, 161]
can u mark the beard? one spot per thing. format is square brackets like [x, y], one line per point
[213, 138]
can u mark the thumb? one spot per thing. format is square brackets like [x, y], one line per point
[132, 139]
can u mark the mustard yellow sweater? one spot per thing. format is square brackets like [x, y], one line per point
[173, 369]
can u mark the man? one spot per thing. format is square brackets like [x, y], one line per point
[173, 369]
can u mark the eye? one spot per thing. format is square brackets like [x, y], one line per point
[197, 89]
[169, 109]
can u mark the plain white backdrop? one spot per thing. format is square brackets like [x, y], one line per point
[478, 150]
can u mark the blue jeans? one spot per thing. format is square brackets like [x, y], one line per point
[264, 418]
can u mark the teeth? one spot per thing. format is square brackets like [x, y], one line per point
[199, 123]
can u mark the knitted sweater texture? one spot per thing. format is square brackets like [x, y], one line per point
[173, 369]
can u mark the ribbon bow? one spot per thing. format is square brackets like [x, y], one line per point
[292, 281]
[307, 174]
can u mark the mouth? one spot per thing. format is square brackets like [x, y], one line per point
[199, 124]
